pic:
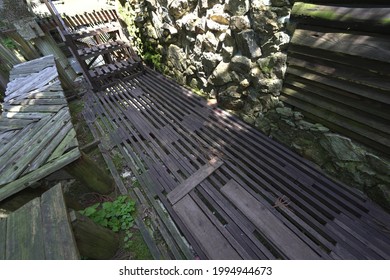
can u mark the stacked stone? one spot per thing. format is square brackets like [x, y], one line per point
[232, 50]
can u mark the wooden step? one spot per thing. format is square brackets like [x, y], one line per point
[111, 69]
[109, 47]
[94, 30]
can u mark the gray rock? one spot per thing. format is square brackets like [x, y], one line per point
[237, 7]
[264, 20]
[240, 64]
[210, 61]
[239, 23]
[178, 8]
[379, 165]
[285, 112]
[281, 39]
[221, 18]
[177, 58]
[230, 98]
[304, 125]
[221, 74]
[214, 26]
[210, 42]
[247, 43]
[341, 147]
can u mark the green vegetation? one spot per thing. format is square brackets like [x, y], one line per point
[153, 58]
[8, 43]
[116, 215]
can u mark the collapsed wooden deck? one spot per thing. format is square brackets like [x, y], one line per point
[231, 192]
[37, 137]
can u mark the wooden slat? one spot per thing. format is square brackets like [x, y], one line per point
[210, 239]
[3, 239]
[58, 236]
[375, 48]
[290, 244]
[195, 179]
[40, 173]
[24, 233]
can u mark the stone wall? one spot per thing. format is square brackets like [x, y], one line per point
[234, 51]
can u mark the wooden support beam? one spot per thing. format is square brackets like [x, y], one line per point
[86, 171]
[93, 240]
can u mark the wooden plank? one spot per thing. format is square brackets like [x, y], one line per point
[24, 233]
[3, 239]
[69, 142]
[209, 237]
[58, 236]
[267, 223]
[375, 48]
[195, 179]
[370, 18]
[40, 173]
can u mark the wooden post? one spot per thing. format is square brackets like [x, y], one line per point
[85, 170]
[8, 57]
[46, 46]
[93, 240]
[27, 49]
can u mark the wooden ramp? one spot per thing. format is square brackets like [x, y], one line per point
[339, 68]
[37, 137]
[231, 192]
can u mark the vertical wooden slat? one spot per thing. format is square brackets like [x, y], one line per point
[3, 236]
[24, 233]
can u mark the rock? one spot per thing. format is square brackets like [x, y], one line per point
[263, 124]
[230, 98]
[279, 64]
[221, 74]
[269, 102]
[192, 23]
[221, 18]
[169, 28]
[341, 147]
[177, 58]
[319, 128]
[245, 83]
[264, 20]
[378, 164]
[298, 116]
[281, 39]
[304, 125]
[237, 7]
[210, 61]
[214, 26]
[247, 44]
[151, 31]
[239, 23]
[210, 42]
[178, 8]
[240, 64]
[285, 112]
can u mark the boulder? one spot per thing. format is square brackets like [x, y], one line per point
[378, 164]
[341, 147]
[210, 42]
[240, 64]
[230, 98]
[247, 43]
[214, 26]
[178, 8]
[177, 58]
[221, 75]
[239, 23]
[210, 61]
[237, 7]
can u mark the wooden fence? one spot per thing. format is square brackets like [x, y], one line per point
[339, 68]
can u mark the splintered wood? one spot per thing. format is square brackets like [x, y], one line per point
[37, 137]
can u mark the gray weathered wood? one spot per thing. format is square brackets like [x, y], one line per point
[24, 233]
[208, 236]
[58, 236]
[195, 179]
[267, 223]
[3, 234]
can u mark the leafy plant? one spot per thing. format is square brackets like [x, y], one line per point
[9, 43]
[116, 215]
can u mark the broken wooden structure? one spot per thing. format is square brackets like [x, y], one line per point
[37, 137]
[98, 43]
[339, 69]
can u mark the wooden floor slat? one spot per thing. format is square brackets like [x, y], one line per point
[171, 134]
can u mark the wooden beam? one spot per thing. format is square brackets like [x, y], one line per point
[195, 179]
[93, 240]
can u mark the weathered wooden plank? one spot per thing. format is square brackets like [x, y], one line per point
[267, 223]
[27, 115]
[376, 48]
[195, 179]
[18, 162]
[368, 18]
[69, 142]
[49, 148]
[14, 124]
[33, 108]
[58, 236]
[3, 239]
[34, 176]
[40, 101]
[24, 233]
[209, 237]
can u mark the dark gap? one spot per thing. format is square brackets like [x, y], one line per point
[211, 208]
[268, 245]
